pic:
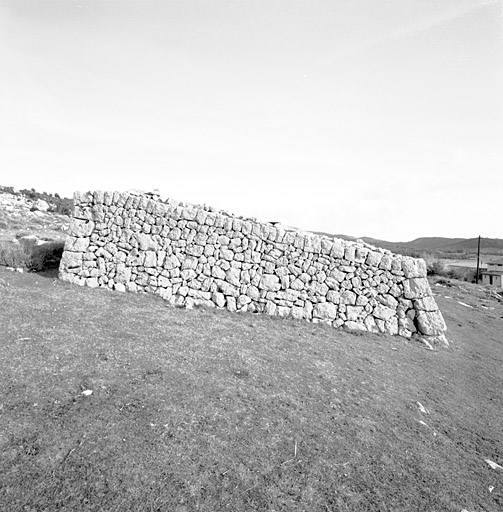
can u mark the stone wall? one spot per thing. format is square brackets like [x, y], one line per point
[191, 255]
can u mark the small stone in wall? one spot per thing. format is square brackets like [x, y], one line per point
[355, 326]
[270, 282]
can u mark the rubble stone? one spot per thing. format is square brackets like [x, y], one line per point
[192, 255]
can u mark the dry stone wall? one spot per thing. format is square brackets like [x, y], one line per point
[136, 242]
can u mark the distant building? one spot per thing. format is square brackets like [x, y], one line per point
[494, 273]
[464, 270]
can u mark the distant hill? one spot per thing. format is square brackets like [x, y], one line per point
[469, 245]
[438, 246]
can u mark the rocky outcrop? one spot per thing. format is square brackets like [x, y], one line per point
[195, 255]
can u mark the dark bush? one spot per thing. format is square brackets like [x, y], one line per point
[46, 256]
[31, 257]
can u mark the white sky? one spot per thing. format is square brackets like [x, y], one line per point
[362, 117]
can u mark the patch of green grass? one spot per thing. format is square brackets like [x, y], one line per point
[206, 410]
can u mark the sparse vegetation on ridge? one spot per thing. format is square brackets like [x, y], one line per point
[32, 239]
[62, 205]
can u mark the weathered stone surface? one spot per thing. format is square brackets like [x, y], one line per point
[416, 288]
[219, 299]
[370, 324]
[430, 323]
[388, 300]
[353, 312]
[145, 242]
[71, 260]
[325, 310]
[297, 312]
[123, 274]
[391, 326]
[92, 282]
[227, 288]
[385, 262]
[383, 312]
[337, 250]
[425, 304]
[270, 308]
[337, 275]
[270, 282]
[373, 258]
[150, 259]
[253, 292]
[348, 297]
[76, 244]
[172, 262]
[355, 326]
[233, 276]
[81, 228]
[334, 296]
[413, 267]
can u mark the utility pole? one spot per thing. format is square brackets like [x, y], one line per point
[478, 258]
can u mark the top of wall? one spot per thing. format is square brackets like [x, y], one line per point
[155, 202]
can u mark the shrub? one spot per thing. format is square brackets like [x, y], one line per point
[46, 256]
[436, 268]
[14, 255]
[37, 257]
[64, 206]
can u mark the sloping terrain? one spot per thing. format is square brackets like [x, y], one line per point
[117, 402]
[20, 216]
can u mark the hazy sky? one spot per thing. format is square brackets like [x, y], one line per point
[363, 117]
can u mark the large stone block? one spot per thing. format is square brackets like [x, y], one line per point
[81, 228]
[76, 244]
[412, 267]
[71, 260]
[416, 288]
[425, 304]
[430, 323]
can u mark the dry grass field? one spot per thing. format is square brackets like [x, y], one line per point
[116, 402]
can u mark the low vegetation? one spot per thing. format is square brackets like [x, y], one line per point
[441, 269]
[31, 257]
[62, 205]
[116, 402]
